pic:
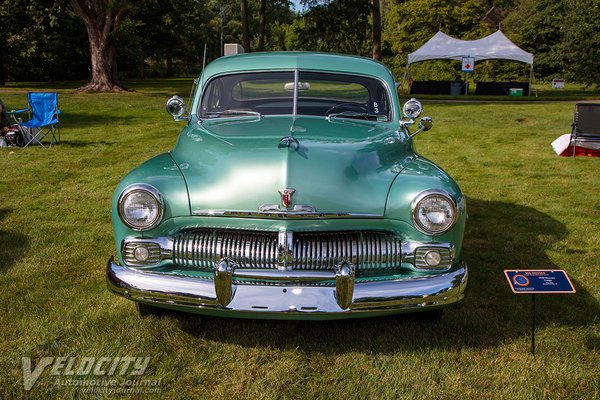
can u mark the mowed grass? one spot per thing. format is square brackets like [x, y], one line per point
[528, 208]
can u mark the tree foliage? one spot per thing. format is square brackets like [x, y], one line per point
[563, 35]
[41, 40]
[45, 40]
[340, 26]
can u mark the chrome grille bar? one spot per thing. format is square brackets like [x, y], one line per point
[368, 251]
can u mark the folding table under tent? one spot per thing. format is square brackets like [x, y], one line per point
[493, 47]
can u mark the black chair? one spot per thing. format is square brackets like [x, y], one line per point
[586, 126]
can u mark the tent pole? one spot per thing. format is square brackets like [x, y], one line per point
[530, 78]
[405, 74]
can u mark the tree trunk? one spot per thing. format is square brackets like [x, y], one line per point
[245, 25]
[2, 78]
[169, 60]
[376, 17]
[101, 25]
[104, 68]
[262, 20]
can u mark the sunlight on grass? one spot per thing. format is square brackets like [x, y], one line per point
[528, 208]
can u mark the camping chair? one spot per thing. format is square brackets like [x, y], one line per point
[43, 112]
[586, 126]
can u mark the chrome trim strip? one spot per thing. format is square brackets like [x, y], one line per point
[299, 208]
[285, 255]
[284, 275]
[282, 214]
[294, 300]
[295, 105]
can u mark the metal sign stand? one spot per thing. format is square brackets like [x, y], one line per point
[533, 322]
[538, 281]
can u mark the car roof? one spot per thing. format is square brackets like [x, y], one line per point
[297, 60]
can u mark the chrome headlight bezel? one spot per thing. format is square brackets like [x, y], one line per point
[147, 189]
[427, 194]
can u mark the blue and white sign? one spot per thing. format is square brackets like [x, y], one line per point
[539, 281]
[468, 64]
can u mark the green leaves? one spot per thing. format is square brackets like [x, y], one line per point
[563, 35]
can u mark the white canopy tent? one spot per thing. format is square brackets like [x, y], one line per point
[493, 47]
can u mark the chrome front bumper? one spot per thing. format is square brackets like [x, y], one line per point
[288, 299]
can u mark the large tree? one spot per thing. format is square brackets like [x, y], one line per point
[563, 36]
[245, 25]
[340, 26]
[262, 21]
[102, 19]
[376, 22]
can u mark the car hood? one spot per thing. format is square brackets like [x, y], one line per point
[338, 166]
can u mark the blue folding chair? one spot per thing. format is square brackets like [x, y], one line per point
[43, 117]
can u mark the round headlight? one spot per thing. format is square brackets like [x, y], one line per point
[141, 207]
[412, 108]
[434, 212]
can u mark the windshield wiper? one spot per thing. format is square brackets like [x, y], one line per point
[354, 114]
[232, 112]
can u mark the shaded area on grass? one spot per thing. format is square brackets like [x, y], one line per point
[499, 236]
[13, 245]
[81, 119]
[83, 143]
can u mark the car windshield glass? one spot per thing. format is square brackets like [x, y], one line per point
[340, 95]
[319, 93]
[265, 93]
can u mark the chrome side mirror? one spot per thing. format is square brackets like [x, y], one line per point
[176, 107]
[425, 124]
[411, 110]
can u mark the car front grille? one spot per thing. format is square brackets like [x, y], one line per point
[368, 251]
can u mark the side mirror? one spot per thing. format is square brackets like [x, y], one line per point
[176, 107]
[425, 124]
[411, 110]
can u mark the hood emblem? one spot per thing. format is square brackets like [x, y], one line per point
[289, 142]
[286, 197]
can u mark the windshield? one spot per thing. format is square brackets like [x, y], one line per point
[317, 93]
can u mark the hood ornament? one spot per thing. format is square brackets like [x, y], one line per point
[287, 206]
[289, 142]
[286, 197]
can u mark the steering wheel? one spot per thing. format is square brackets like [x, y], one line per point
[356, 106]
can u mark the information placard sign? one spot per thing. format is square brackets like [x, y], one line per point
[539, 281]
[558, 83]
[468, 64]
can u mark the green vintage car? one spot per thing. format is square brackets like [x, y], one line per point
[294, 192]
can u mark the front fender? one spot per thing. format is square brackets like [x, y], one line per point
[162, 173]
[417, 176]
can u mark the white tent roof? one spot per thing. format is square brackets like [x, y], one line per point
[493, 47]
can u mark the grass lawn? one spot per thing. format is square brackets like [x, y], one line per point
[528, 208]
